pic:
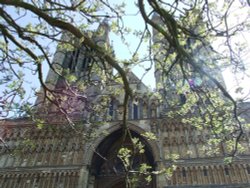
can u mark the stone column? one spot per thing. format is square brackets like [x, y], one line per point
[83, 177]
[160, 179]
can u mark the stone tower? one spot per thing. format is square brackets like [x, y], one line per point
[54, 155]
[76, 66]
[169, 83]
[77, 59]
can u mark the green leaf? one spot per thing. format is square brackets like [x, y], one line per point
[149, 135]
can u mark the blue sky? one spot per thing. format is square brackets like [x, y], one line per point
[123, 53]
[232, 81]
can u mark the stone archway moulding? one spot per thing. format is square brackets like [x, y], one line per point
[92, 146]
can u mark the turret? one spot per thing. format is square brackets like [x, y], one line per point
[101, 35]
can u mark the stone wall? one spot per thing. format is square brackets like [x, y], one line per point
[58, 156]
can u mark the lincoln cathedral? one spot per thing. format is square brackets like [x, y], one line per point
[84, 155]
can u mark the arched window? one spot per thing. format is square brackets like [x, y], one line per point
[87, 59]
[111, 109]
[184, 172]
[226, 171]
[70, 60]
[135, 111]
[205, 172]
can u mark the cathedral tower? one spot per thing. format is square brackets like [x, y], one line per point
[173, 76]
[77, 66]
[79, 59]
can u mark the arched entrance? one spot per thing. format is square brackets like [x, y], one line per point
[108, 170]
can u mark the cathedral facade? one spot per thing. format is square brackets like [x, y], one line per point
[55, 155]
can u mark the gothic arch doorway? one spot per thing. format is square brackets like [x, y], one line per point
[108, 170]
